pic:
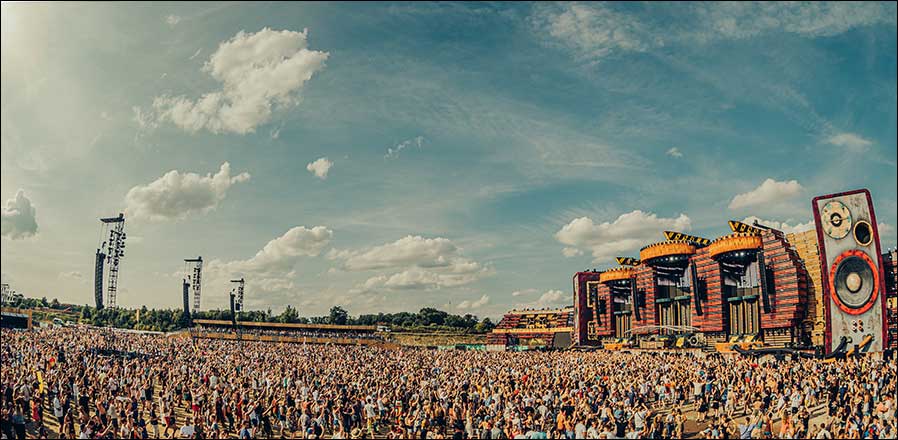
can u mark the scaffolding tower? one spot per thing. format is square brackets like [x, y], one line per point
[114, 247]
[195, 275]
[237, 291]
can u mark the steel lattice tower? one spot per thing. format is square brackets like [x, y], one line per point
[115, 251]
[195, 275]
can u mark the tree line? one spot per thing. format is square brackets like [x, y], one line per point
[165, 320]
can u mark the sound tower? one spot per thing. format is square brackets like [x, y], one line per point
[186, 297]
[98, 279]
[851, 268]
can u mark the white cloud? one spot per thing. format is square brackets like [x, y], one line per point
[409, 250]
[393, 153]
[259, 73]
[484, 300]
[596, 30]
[626, 234]
[851, 141]
[782, 226]
[145, 120]
[272, 269]
[320, 167]
[176, 195]
[173, 20]
[413, 262]
[769, 192]
[551, 298]
[19, 218]
[674, 152]
[591, 30]
[517, 293]
[571, 252]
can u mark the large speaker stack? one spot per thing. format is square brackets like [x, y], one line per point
[852, 270]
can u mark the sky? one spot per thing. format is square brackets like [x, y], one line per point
[392, 156]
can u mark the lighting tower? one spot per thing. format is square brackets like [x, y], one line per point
[238, 291]
[114, 248]
[195, 275]
[6, 293]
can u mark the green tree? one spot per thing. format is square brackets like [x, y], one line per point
[484, 326]
[289, 315]
[338, 316]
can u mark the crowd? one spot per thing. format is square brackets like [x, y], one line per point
[295, 333]
[75, 383]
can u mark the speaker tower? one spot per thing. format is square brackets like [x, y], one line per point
[851, 268]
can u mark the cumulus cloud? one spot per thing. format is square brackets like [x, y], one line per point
[409, 250]
[551, 298]
[19, 220]
[176, 195]
[782, 226]
[393, 152]
[596, 30]
[674, 152]
[320, 167]
[851, 141]
[517, 293]
[413, 262]
[272, 269]
[769, 192]
[470, 305]
[259, 73]
[626, 234]
[571, 252]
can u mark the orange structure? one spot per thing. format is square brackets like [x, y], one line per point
[534, 328]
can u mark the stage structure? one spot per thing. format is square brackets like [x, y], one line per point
[194, 273]
[890, 265]
[6, 293]
[830, 288]
[586, 292]
[674, 278]
[529, 329]
[110, 251]
[237, 292]
[618, 297]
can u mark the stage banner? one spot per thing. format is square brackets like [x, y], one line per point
[740, 227]
[679, 236]
[628, 261]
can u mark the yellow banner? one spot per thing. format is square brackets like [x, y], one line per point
[679, 236]
[628, 261]
[742, 227]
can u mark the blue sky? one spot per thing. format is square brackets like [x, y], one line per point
[387, 157]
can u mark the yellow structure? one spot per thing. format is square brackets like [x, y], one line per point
[805, 244]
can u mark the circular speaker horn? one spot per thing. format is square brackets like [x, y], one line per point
[863, 233]
[854, 282]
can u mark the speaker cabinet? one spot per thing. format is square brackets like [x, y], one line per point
[851, 267]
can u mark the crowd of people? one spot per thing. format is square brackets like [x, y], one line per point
[294, 333]
[92, 383]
